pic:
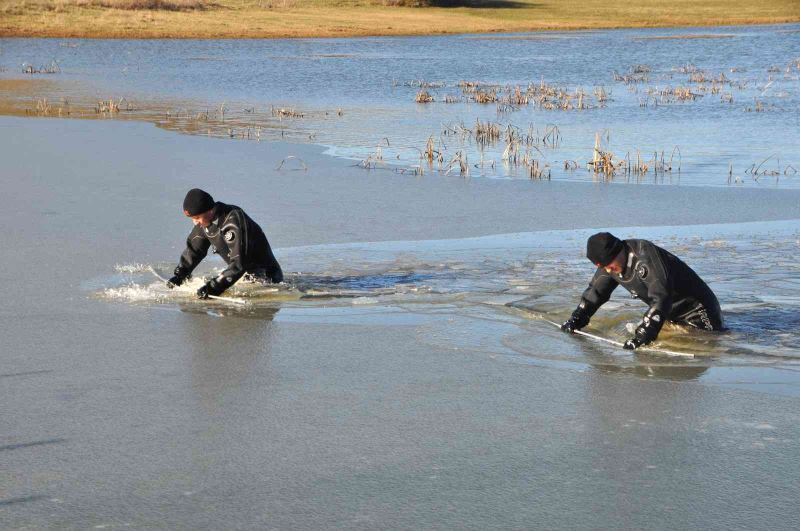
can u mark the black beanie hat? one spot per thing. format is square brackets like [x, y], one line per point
[197, 201]
[602, 248]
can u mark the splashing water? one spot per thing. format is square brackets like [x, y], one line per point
[517, 280]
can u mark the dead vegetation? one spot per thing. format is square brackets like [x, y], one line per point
[52, 68]
[59, 6]
[221, 121]
[696, 85]
[636, 74]
[281, 113]
[513, 97]
[757, 171]
[423, 96]
[606, 167]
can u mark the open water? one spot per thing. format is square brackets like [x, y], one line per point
[735, 123]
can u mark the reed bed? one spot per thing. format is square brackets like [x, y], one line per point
[282, 113]
[222, 121]
[756, 171]
[52, 68]
[419, 83]
[522, 148]
[512, 98]
[698, 84]
[423, 96]
[606, 167]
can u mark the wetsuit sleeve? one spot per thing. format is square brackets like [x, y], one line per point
[599, 291]
[659, 291]
[196, 249]
[235, 233]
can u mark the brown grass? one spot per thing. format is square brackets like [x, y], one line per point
[28, 7]
[156, 5]
[343, 18]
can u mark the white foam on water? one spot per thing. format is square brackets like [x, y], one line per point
[133, 293]
[545, 272]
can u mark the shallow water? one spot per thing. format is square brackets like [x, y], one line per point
[357, 96]
[519, 280]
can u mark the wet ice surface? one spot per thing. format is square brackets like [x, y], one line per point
[419, 390]
[495, 293]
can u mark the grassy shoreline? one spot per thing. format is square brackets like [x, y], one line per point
[246, 19]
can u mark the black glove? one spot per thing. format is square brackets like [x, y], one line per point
[647, 331]
[632, 344]
[209, 288]
[180, 275]
[579, 319]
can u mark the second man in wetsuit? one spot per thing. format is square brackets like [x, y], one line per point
[671, 289]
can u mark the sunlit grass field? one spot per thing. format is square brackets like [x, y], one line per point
[341, 18]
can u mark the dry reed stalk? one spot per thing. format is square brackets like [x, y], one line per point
[42, 107]
[518, 98]
[601, 95]
[485, 96]
[486, 133]
[636, 74]
[758, 107]
[505, 108]
[536, 170]
[277, 113]
[552, 136]
[111, 107]
[461, 159]
[431, 153]
[602, 162]
[52, 68]
[423, 96]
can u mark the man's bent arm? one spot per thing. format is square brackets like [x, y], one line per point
[599, 291]
[196, 249]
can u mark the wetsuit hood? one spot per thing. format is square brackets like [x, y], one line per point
[197, 201]
[602, 248]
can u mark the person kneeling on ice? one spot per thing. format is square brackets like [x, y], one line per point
[672, 290]
[229, 232]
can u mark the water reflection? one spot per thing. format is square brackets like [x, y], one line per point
[230, 350]
[249, 311]
[653, 370]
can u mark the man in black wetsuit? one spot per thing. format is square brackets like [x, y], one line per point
[229, 232]
[672, 290]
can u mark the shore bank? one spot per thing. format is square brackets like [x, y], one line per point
[231, 19]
